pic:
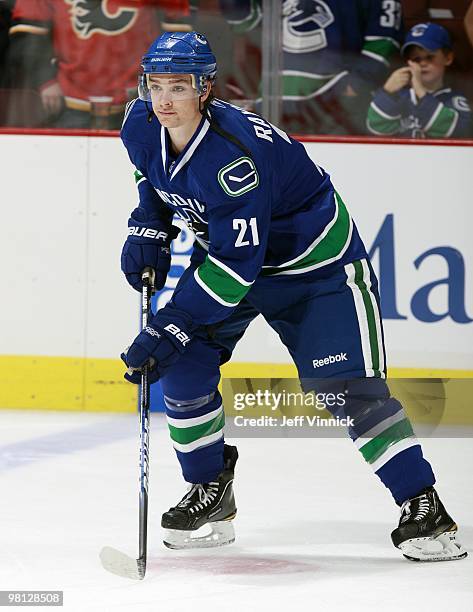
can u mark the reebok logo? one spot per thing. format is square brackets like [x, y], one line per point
[152, 332]
[318, 363]
[145, 232]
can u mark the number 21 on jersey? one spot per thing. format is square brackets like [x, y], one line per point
[244, 236]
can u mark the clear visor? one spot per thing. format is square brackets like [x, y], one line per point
[168, 88]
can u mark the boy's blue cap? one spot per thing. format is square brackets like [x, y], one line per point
[429, 36]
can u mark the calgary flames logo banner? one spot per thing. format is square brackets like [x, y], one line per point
[100, 16]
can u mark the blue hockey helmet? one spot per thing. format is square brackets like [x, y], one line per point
[179, 53]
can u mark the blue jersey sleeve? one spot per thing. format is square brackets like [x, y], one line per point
[239, 212]
[449, 117]
[137, 150]
[149, 200]
[445, 114]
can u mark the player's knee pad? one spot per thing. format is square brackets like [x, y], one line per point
[195, 375]
[366, 402]
[369, 403]
[189, 405]
[177, 408]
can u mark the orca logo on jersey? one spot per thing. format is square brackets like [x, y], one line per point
[304, 25]
[460, 103]
[238, 177]
[92, 16]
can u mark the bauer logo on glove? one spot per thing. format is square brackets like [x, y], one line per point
[147, 232]
[180, 335]
[159, 344]
[147, 245]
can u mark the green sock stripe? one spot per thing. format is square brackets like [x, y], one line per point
[370, 316]
[376, 447]
[184, 435]
[221, 283]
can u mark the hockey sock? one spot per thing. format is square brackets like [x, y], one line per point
[383, 434]
[196, 428]
[388, 443]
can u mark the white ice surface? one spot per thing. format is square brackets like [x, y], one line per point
[312, 528]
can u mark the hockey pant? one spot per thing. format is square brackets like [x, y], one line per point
[330, 322]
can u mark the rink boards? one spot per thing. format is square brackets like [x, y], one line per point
[67, 313]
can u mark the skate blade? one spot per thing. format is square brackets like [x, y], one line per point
[221, 533]
[442, 548]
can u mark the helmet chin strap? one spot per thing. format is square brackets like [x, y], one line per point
[150, 113]
[202, 109]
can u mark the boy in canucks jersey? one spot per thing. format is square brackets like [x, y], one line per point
[273, 237]
[415, 102]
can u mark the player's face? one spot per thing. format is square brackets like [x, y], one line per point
[175, 101]
[432, 63]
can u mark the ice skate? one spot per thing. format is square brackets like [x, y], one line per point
[426, 532]
[208, 506]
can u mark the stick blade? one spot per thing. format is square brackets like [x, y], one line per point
[121, 564]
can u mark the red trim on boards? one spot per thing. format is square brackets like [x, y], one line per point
[443, 142]
[58, 132]
[447, 142]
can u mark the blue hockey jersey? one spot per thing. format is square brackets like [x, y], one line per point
[257, 207]
[440, 114]
[328, 43]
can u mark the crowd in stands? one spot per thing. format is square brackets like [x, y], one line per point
[365, 67]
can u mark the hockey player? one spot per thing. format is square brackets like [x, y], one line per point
[274, 237]
[414, 101]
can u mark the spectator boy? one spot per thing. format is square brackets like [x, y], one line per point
[415, 102]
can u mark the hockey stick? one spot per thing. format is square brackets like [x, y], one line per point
[113, 560]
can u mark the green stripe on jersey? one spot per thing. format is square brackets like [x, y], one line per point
[249, 22]
[138, 176]
[382, 125]
[375, 448]
[186, 435]
[301, 86]
[328, 248]
[443, 123]
[370, 315]
[221, 283]
[384, 47]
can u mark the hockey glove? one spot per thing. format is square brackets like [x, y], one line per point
[160, 344]
[148, 244]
